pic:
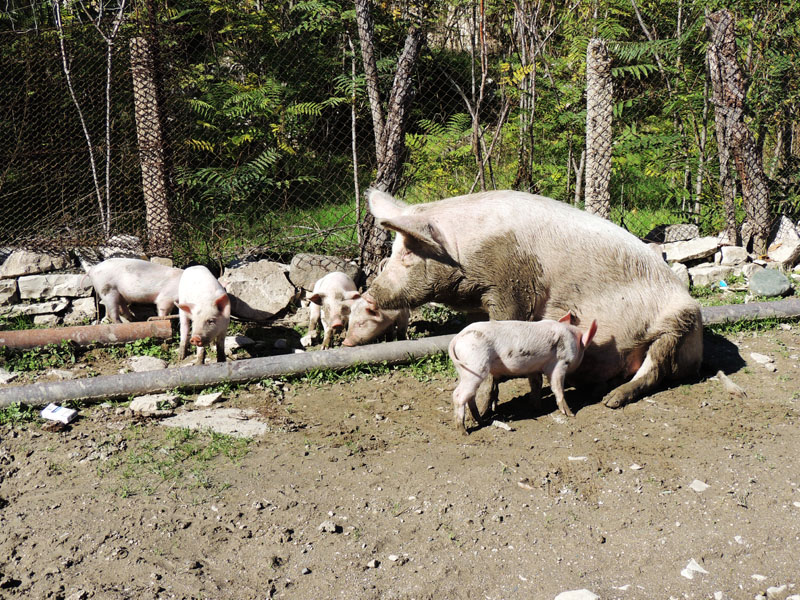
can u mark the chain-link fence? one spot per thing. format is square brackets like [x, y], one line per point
[212, 129]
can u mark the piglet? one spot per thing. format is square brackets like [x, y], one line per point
[205, 302]
[331, 299]
[367, 322]
[514, 348]
[121, 281]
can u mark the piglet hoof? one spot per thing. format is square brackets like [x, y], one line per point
[306, 341]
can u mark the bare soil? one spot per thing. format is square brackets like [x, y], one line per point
[364, 489]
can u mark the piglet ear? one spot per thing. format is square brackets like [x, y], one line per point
[185, 307]
[567, 318]
[370, 302]
[589, 334]
[316, 298]
[383, 205]
[352, 295]
[223, 304]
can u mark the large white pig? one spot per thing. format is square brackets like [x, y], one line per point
[367, 322]
[519, 256]
[331, 299]
[204, 302]
[121, 281]
[514, 348]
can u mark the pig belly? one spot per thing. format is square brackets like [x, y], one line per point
[516, 363]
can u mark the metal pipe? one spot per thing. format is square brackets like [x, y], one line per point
[83, 335]
[198, 376]
[111, 386]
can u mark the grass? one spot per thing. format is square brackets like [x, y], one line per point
[17, 414]
[183, 459]
[38, 359]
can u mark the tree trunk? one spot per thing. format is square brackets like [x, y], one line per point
[599, 109]
[389, 130]
[733, 137]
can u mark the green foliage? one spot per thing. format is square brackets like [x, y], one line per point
[17, 323]
[17, 414]
[38, 359]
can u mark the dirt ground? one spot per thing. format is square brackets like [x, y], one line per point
[364, 489]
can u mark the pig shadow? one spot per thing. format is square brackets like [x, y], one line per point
[719, 354]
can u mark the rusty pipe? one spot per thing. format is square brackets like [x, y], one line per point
[84, 335]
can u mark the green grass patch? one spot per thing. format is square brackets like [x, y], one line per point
[749, 325]
[37, 359]
[17, 414]
[17, 323]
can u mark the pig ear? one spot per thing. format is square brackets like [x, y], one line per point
[383, 205]
[420, 228]
[316, 298]
[567, 318]
[352, 295]
[589, 334]
[223, 304]
[185, 307]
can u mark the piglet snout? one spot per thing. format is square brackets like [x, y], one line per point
[196, 340]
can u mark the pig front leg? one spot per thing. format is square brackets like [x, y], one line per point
[326, 338]
[313, 320]
[535, 381]
[184, 324]
[556, 378]
[201, 355]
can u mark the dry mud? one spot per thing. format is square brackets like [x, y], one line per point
[364, 489]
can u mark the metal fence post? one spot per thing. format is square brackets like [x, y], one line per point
[599, 110]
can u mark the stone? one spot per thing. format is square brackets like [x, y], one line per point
[699, 487]
[329, 527]
[786, 253]
[229, 421]
[733, 255]
[682, 272]
[62, 374]
[81, 311]
[373, 564]
[153, 403]
[46, 320]
[769, 283]
[306, 269]
[7, 376]
[583, 594]
[54, 285]
[258, 290]
[761, 359]
[750, 268]
[162, 260]
[8, 291]
[53, 306]
[234, 342]
[25, 262]
[692, 568]
[206, 400]
[777, 592]
[123, 246]
[690, 250]
[140, 364]
[708, 274]
[676, 232]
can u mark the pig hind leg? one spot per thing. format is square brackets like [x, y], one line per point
[464, 395]
[556, 377]
[674, 352]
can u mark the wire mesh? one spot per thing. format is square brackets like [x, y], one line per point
[211, 130]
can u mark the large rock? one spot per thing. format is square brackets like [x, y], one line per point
[785, 252]
[708, 274]
[8, 291]
[690, 250]
[25, 262]
[81, 311]
[53, 286]
[682, 272]
[237, 422]
[306, 269]
[733, 255]
[769, 282]
[678, 232]
[54, 306]
[258, 290]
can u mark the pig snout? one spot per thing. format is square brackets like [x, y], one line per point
[196, 340]
[337, 325]
[347, 342]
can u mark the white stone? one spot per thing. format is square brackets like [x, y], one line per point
[707, 274]
[140, 364]
[206, 400]
[719, 596]
[42, 308]
[46, 320]
[163, 261]
[693, 568]
[8, 291]
[761, 359]
[54, 285]
[758, 577]
[583, 594]
[230, 421]
[750, 268]
[682, 272]
[733, 255]
[699, 486]
[80, 311]
[6, 376]
[62, 374]
[25, 262]
[691, 249]
[258, 289]
[234, 342]
[777, 592]
[153, 402]
[785, 252]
